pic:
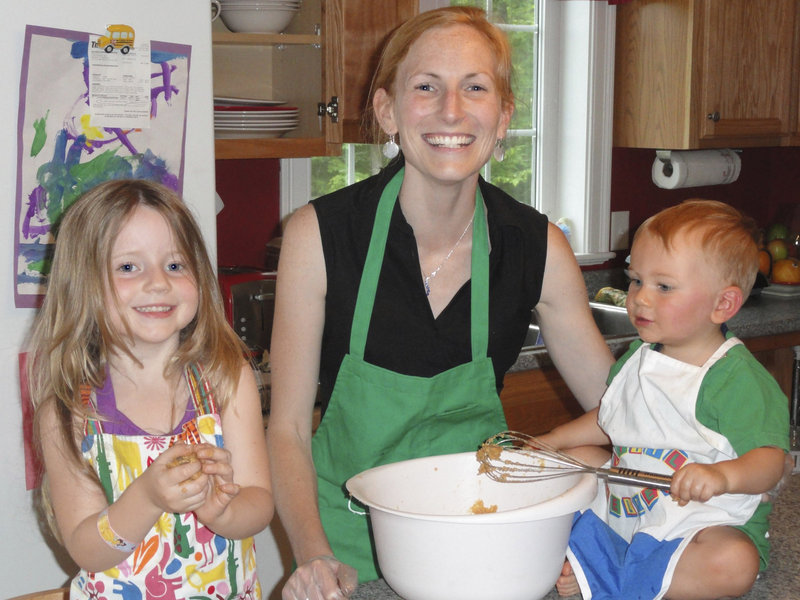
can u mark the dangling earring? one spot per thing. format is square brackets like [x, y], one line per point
[390, 148]
[499, 151]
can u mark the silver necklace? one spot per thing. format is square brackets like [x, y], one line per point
[446, 258]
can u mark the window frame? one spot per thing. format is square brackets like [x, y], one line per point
[578, 39]
[582, 107]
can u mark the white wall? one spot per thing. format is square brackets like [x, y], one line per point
[27, 562]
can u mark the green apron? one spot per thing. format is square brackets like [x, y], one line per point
[376, 416]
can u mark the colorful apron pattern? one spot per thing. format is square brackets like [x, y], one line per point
[179, 558]
[377, 416]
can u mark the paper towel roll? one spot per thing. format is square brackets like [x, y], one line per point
[674, 169]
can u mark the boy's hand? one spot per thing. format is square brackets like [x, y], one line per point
[698, 482]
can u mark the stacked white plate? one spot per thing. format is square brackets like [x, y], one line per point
[258, 16]
[247, 118]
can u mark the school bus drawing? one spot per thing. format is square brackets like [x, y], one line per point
[119, 36]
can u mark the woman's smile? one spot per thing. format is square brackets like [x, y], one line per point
[449, 141]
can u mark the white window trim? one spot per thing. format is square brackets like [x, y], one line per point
[577, 185]
[295, 183]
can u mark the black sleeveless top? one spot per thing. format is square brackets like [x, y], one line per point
[403, 335]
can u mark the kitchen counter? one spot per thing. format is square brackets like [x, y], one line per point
[761, 315]
[780, 582]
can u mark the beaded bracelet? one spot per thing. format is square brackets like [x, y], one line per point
[111, 537]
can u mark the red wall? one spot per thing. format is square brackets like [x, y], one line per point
[768, 188]
[250, 190]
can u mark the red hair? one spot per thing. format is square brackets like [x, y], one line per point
[405, 35]
[727, 237]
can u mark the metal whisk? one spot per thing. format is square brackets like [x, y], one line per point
[513, 457]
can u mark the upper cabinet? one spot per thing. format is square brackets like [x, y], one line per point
[706, 74]
[322, 64]
[367, 24]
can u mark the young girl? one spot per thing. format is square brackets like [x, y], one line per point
[137, 379]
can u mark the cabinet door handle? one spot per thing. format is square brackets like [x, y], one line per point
[713, 116]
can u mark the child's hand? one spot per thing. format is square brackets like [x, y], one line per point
[698, 482]
[175, 482]
[216, 465]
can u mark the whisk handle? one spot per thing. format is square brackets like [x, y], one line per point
[632, 476]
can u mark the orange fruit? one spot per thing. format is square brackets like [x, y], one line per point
[786, 271]
[764, 262]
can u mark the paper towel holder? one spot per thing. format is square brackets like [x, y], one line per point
[674, 169]
[665, 157]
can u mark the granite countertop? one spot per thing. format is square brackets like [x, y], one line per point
[781, 581]
[764, 314]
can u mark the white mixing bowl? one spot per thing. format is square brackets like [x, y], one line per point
[430, 545]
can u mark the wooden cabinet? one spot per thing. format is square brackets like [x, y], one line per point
[794, 139]
[326, 57]
[706, 73]
[367, 24]
[536, 401]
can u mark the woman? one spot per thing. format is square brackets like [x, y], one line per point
[376, 289]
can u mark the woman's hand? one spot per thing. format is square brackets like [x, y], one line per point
[175, 482]
[321, 578]
[216, 464]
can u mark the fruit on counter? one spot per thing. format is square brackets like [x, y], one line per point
[776, 231]
[778, 248]
[764, 262]
[786, 271]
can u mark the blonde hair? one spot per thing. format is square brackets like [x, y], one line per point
[728, 238]
[401, 40]
[73, 336]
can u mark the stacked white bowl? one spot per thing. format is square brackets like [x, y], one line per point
[258, 16]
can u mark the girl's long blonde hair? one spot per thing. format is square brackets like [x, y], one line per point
[72, 335]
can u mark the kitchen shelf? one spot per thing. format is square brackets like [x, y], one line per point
[265, 39]
[327, 54]
[283, 147]
[289, 66]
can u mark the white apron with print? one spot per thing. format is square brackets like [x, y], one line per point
[627, 543]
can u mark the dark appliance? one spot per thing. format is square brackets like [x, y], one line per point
[248, 295]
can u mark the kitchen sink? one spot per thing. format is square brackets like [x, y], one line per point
[612, 321]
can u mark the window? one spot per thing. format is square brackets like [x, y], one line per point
[558, 156]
